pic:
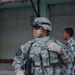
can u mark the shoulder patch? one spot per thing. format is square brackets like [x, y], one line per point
[19, 52]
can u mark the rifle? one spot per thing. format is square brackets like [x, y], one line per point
[27, 65]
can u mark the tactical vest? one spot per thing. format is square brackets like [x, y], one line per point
[40, 53]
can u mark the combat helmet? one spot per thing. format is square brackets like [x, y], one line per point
[43, 22]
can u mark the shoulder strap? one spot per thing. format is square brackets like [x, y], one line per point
[28, 52]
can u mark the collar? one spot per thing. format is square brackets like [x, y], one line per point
[42, 40]
[69, 40]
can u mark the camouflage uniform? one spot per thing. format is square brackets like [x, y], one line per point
[50, 60]
[51, 64]
[44, 62]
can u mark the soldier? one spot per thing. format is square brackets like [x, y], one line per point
[70, 44]
[45, 61]
[70, 47]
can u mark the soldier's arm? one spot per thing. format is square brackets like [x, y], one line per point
[19, 57]
[67, 54]
[18, 60]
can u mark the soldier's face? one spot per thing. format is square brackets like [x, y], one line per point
[65, 35]
[38, 32]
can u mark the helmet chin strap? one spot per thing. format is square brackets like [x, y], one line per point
[44, 34]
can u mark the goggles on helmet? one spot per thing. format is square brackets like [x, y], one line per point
[39, 23]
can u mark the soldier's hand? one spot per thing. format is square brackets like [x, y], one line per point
[22, 47]
[54, 47]
[19, 72]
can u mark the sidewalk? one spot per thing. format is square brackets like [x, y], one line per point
[6, 72]
[6, 69]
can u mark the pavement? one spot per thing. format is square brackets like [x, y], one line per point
[6, 69]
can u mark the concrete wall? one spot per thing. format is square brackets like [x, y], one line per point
[62, 16]
[15, 30]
